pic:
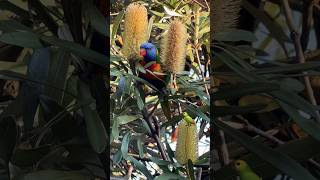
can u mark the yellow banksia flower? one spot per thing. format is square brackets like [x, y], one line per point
[135, 29]
[174, 45]
[187, 143]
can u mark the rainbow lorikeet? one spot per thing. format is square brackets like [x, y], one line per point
[151, 63]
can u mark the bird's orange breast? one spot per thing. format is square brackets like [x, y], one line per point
[153, 68]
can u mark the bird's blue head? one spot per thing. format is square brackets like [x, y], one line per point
[148, 51]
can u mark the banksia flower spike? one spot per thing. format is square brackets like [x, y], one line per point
[174, 45]
[135, 29]
[187, 143]
[225, 14]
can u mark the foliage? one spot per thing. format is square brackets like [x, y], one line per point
[138, 117]
[52, 121]
[261, 102]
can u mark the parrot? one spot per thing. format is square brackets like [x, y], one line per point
[151, 63]
[187, 118]
[154, 74]
[245, 171]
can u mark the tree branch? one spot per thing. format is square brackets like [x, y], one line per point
[299, 53]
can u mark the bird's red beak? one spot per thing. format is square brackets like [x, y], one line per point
[143, 52]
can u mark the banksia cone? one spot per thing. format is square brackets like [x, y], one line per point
[225, 14]
[174, 44]
[187, 143]
[135, 29]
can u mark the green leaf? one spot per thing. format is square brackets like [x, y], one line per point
[139, 99]
[95, 129]
[14, 66]
[275, 29]
[117, 157]
[21, 38]
[29, 157]
[115, 130]
[53, 175]
[238, 90]
[88, 54]
[283, 95]
[288, 68]
[220, 111]
[6, 5]
[140, 167]
[160, 14]
[291, 84]
[235, 35]
[150, 24]
[59, 119]
[190, 170]
[124, 119]
[265, 169]
[97, 20]
[57, 76]
[197, 112]
[308, 125]
[165, 106]
[125, 144]
[140, 146]
[161, 25]
[166, 176]
[172, 122]
[116, 25]
[277, 159]
[13, 26]
[160, 161]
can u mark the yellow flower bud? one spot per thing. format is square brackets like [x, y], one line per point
[135, 29]
[187, 143]
[174, 45]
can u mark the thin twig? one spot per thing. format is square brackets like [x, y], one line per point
[258, 131]
[196, 44]
[299, 53]
[199, 173]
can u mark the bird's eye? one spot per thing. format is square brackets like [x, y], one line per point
[238, 164]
